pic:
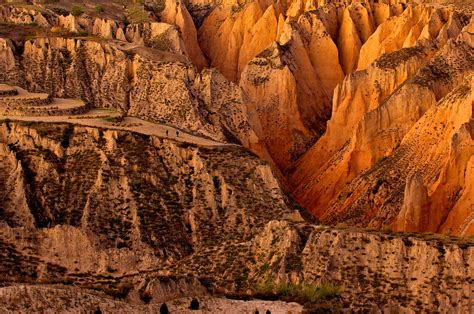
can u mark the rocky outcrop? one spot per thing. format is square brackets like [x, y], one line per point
[415, 24]
[70, 190]
[371, 263]
[7, 61]
[176, 13]
[316, 45]
[76, 68]
[414, 214]
[361, 92]
[152, 84]
[220, 103]
[371, 118]
[349, 43]
[204, 103]
[27, 15]
[108, 29]
[271, 96]
[234, 33]
[161, 36]
[161, 92]
[142, 219]
[419, 195]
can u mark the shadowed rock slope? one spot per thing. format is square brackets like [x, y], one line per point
[146, 220]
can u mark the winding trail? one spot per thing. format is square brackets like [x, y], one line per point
[103, 118]
[41, 107]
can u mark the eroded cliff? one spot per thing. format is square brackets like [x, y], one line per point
[148, 220]
[373, 111]
[362, 109]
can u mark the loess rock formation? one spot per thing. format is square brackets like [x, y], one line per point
[323, 91]
[144, 218]
[361, 109]
[374, 111]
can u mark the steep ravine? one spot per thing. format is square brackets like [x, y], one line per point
[374, 111]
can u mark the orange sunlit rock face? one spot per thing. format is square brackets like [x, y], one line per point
[241, 156]
[375, 110]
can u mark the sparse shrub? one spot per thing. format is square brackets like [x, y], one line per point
[377, 185]
[60, 11]
[164, 309]
[161, 42]
[110, 269]
[342, 225]
[264, 267]
[7, 124]
[99, 8]
[146, 298]
[156, 6]
[304, 293]
[135, 13]
[259, 80]
[77, 10]
[408, 242]
[441, 248]
[120, 292]
[382, 159]
[328, 291]
[66, 136]
[194, 304]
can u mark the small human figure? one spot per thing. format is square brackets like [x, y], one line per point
[166, 133]
[177, 133]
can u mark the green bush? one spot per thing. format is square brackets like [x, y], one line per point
[99, 8]
[77, 10]
[304, 293]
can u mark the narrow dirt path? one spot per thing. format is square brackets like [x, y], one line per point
[104, 119]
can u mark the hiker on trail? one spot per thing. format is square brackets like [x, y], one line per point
[177, 133]
[166, 133]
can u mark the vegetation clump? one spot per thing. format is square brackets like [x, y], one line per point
[156, 6]
[66, 136]
[164, 309]
[194, 304]
[162, 42]
[136, 13]
[302, 293]
[99, 8]
[77, 10]
[393, 59]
